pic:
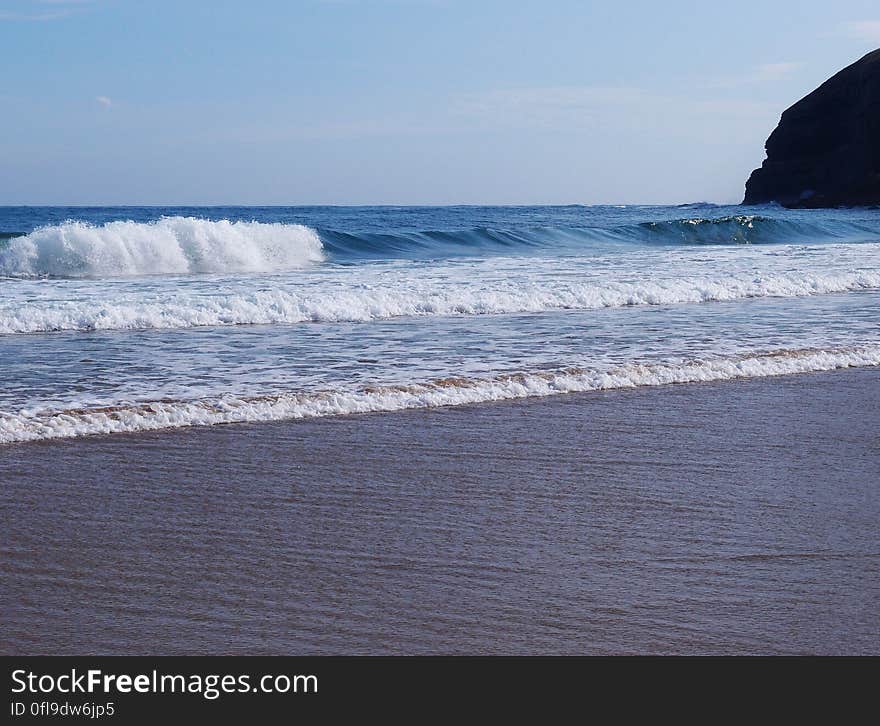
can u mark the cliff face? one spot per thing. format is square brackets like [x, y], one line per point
[825, 152]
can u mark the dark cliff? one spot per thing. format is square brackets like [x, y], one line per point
[825, 152]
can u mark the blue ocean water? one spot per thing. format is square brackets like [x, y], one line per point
[124, 319]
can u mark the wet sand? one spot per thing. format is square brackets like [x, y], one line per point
[737, 517]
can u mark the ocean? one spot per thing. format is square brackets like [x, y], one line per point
[125, 319]
[447, 430]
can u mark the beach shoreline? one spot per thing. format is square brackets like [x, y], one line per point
[708, 518]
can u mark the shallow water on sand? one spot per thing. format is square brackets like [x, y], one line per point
[736, 517]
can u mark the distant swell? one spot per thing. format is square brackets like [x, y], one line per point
[171, 245]
[361, 303]
[728, 230]
[36, 425]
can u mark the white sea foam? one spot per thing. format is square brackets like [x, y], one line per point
[31, 425]
[171, 245]
[337, 301]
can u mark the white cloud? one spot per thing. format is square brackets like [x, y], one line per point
[763, 73]
[65, 8]
[547, 104]
[37, 16]
[104, 101]
[775, 71]
[609, 108]
[866, 30]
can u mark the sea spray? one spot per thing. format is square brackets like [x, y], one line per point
[415, 296]
[170, 245]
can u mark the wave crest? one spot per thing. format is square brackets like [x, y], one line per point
[727, 230]
[189, 245]
[751, 229]
[170, 245]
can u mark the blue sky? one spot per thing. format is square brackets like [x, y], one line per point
[404, 101]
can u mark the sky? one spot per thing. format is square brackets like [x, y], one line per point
[404, 101]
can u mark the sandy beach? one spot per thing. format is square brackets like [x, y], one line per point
[736, 517]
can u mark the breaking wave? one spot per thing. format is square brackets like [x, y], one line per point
[188, 245]
[32, 425]
[171, 245]
[405, 298]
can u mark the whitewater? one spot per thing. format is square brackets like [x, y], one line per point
[126, 319]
